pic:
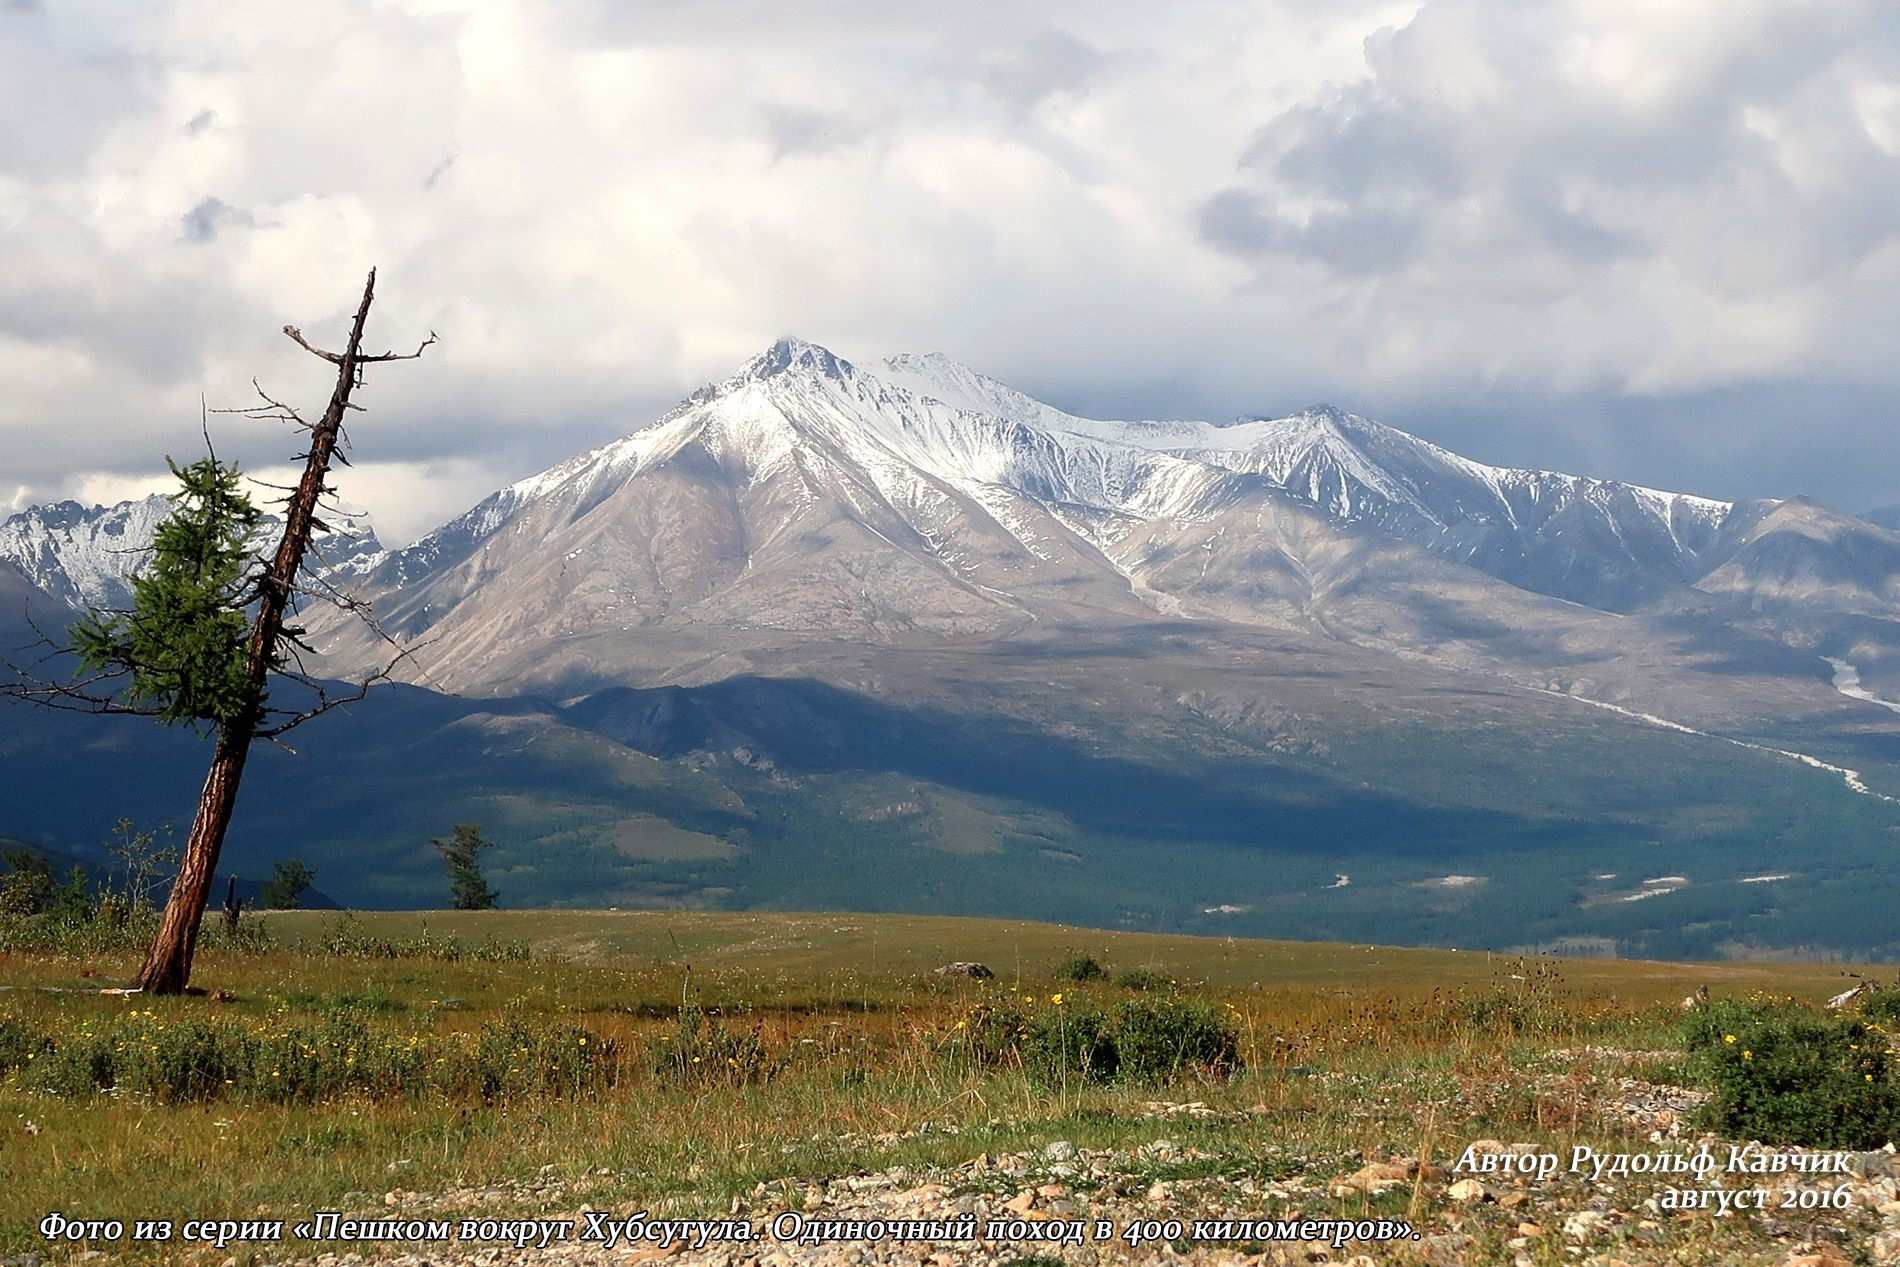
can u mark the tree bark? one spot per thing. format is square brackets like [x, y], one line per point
[168, 965]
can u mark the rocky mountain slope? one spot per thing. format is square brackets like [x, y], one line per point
[896, 636]
[85, 556]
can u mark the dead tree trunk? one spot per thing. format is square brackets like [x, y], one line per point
[168, 965]
[231, 905]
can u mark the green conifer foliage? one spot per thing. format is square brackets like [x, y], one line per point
[184, 641]
[468, 887]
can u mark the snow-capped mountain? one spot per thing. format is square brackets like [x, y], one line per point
[85, 556]
[1600, 542]
[827, 628]
[810, 497]
[1595, 541]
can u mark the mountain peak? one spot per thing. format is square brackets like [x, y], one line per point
[788, 355]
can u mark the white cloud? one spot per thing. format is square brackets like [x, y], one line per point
[599, 205]
[1655, 197]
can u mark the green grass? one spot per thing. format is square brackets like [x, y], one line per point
[810, 955]
[1347, 1052]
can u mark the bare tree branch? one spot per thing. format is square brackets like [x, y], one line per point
[296, 336]
[336, 358]
[393, 356]
[275, 646]
[74, 697]
[326, 701]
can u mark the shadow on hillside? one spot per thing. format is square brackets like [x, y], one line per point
[804, 727]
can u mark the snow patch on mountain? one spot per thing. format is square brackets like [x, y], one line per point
[1851, 778]
[1525, 526]
[933, 441]
[86, 556]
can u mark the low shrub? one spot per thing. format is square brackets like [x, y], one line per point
[1882, 1006]
[1785, 1074]
[115, 927]
[1080, 968]
[703, 1051]
[989, 1034]
[191, 1060]
[1143, 980]
[246, 936]
[1057, 1042]
[1530, 1002]
[347, 939]
[19, 1044]
[1161, 1038]
[512, 1058]
[106, 929]
[1067, 1043]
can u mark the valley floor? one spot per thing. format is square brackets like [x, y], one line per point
[1398, 1101]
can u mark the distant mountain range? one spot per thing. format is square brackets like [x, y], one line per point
[85, 556]
[791, 629]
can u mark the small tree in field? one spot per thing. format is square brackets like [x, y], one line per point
[285, 888]
[208, 628]
[27, 886]
[468, 888]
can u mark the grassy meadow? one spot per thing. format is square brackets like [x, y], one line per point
[674, 1061]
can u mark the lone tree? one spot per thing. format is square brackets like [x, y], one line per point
[207, 629]
[285, 888]
[468, 888]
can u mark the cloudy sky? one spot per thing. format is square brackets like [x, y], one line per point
[1656, 241]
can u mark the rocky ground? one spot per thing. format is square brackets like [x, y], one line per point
[1469, 1202]
[1459, 1218]
[1458, 1214]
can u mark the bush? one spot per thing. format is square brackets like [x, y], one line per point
[177, 1061]
[1158, 1039]
[1065, 1043]
[1882, 1006]
[109, 928]
[704, 1052]
[1142, 980]
[19, 1044]
[27, 886]
[247, 936]
[116, 926]
[989, 1034]
[513, 1058]
[1528, 1002]
[1080, 968]
[347, 939]
[1141, 1040]
[1784, 1074]
[187, 1060]
[79, 1065]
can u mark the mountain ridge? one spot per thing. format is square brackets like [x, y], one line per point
[85, 556]
[1629, 541]
[817, 635]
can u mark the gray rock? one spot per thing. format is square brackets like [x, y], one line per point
[972, 971]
